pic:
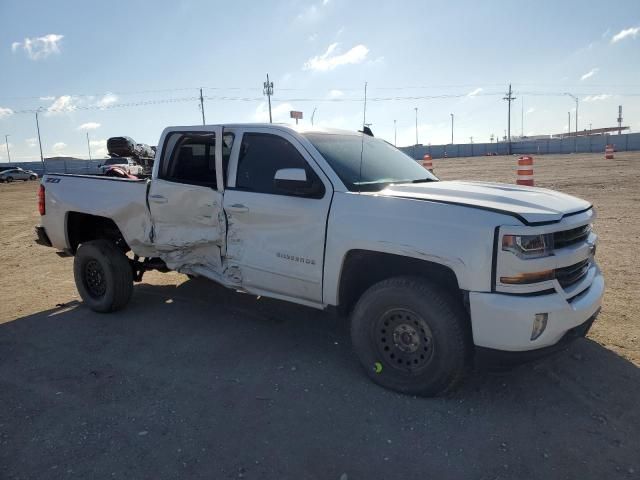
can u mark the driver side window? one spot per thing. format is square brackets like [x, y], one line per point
[261, 155]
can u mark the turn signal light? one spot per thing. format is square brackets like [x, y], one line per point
[524, 278]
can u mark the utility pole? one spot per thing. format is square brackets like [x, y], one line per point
[576, 100]
[619, 120]
[416, 109]
[268, 91]
[575, 142]
[451, 128]
[569, 129]
[509, 98]
[6, 141]
[39, 141]
[89, 145]
[201, 107]
[313, 114]
[522, 117]
[395, 134]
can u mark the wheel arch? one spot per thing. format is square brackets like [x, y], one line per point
[363, 268]
[82, 227]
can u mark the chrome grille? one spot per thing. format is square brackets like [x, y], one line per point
[572, 274]
[571, 237]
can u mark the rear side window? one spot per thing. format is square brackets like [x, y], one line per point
[191, 159]
[261, 155]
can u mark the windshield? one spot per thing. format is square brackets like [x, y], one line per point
[382, 163]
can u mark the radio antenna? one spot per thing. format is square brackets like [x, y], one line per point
[364, 121]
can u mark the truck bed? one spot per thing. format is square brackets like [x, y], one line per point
[120, 199]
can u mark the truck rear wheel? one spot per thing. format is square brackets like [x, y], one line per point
[103, 276]
[411, 337]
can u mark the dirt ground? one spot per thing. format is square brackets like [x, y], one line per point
[192, 380]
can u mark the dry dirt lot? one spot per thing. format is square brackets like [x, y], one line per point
[195, 381]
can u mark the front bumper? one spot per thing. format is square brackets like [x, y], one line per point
[505, 322]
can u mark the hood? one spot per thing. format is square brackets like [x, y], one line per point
[530, 204]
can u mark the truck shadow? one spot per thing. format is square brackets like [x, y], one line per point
[195, 380]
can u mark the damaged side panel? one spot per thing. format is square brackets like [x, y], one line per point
[188, 226]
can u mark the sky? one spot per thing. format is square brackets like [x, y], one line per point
[133, 68]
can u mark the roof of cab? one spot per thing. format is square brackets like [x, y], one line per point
[275, 126]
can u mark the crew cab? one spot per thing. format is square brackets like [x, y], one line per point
[428, 271]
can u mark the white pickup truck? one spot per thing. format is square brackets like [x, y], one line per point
[426, 269]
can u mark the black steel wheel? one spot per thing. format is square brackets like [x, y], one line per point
[411, 336]
[9, 179]
[94, 279]
[404, 338]
[103, 275]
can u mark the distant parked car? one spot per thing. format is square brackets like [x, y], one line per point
[17, 174]
[129, 165]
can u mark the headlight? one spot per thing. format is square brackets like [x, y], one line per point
[528, 246]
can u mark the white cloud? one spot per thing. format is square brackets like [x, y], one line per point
[530, 110]
[47, 98]
[39, 47]
[475, 92]
[325, 2]
[31, 142]
[596, 98]
[589, 74]
[64, 103]
[59, 146]
[335, 93]
[332, 59]
[627, 32]
[377, 61]
[312, 37]
[89, 126]
[5, 112]
[280, 113]
[106, 100]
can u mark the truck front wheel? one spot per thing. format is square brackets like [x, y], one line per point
[411, 336]
[103, 276]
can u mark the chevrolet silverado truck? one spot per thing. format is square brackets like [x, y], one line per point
[430, 272]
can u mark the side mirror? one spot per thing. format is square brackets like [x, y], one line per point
[293, 181]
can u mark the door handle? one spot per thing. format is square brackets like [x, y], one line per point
[158, 199]
[237, 208]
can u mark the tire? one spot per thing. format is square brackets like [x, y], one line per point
[9, 179]
[32, 177]
[411, 337]
[103, 276]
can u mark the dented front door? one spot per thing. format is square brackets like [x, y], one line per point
[185, 201]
